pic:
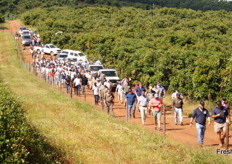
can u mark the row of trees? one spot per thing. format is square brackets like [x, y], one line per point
[185, 49]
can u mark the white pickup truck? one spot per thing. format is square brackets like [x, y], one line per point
[48, 49]
[110, 74]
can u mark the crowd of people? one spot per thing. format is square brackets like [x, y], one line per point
[134, 97]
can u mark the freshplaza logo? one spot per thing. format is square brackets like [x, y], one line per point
[226, 152]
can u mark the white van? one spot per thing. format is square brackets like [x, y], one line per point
[81, 58]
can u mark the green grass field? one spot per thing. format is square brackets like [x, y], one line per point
[82, 133]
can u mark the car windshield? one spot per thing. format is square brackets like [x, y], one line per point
[109, 73]
[95, 68]
[52, 46]
[81, 54]
[22, 28]
[62, 56]
[64, 52]
[26, 37]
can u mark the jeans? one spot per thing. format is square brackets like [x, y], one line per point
[178, 111]
[96, 98]
[78, 90]
[200, 132]
[129, 108]
[68, 88]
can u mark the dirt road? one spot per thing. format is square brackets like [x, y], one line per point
[183, 134]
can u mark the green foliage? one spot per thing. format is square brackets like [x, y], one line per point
[8, 7]
[2, 19]
[20, 143]
[184, 49]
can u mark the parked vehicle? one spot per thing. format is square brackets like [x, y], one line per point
[110, 74]
[26, 40]
[48, 49]
[20, 29]
[94, 68]
[25, 32]
[75, 54]
[62, 57]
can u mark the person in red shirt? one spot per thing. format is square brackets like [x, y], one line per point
[155, 105]
[51, 77]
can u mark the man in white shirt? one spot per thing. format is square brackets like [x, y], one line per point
[77, 85]
[120, 92]
[143, 104]
[174, 95]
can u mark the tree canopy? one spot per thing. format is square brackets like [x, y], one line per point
[9, 7]
[182, 48]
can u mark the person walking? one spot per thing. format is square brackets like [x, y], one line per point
[67, 83]
[84, 81]
[143, 104]
[102, 93]
[155, 105]
[177, 106]
[220, 115]
[139, 89]
[77, 84]
[174, 94]
[200, 113]
[57, 78]
[96, 93]
[125, 89]
[51, 77]
[119, 91]
[109, 99]
[162, 91]
[130, 97]
[155, 90]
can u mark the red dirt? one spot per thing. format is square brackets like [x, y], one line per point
[183, 134]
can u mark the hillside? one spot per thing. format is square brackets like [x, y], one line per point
[82, 133]
[184, 49]
[11, 7]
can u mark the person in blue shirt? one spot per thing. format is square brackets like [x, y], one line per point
[220, 115]
[200, 114]
[140, 89]
[131, 97]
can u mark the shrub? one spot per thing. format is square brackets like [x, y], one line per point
[19, 142]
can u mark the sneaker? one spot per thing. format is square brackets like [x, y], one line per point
[181, 124]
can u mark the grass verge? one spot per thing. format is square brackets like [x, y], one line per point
[20, 142]
[84, 134]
